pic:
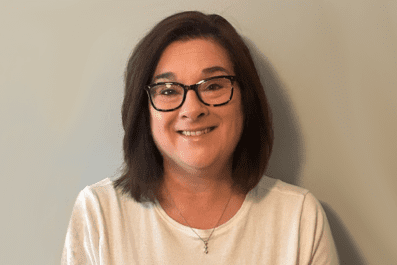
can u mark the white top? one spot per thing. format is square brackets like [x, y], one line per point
[278, 223]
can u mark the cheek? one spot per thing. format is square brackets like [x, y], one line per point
[160, 126]
[156, 118]
[155, 125]
[155, 115]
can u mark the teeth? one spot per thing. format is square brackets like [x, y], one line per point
[196, 133]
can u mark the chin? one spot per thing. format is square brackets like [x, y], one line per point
[198, 165]
[201, 164]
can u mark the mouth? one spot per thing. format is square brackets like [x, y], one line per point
[197, 133]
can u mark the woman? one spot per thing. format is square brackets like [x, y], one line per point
[198, 137]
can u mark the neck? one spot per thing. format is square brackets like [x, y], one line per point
[194, 194]
[205, 185]
[196, 181]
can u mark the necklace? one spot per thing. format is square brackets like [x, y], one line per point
[208, 239]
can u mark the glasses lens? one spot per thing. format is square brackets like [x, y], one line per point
[166, 96]
[216, 91]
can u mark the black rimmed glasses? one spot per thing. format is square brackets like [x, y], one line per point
[214, 91]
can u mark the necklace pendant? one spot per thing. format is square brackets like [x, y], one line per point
[205, 247]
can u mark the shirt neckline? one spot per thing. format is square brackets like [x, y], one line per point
[204, 233]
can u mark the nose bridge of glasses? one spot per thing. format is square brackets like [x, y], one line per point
[194, 91]
[191, 87]
[194, 88]
[193, 100]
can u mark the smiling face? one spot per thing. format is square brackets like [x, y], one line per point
[196, 136]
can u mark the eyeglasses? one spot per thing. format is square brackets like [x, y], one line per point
[214, 91]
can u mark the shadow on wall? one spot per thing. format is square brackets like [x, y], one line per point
[288, 151]
[348, 251]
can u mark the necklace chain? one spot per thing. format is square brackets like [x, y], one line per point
[208, 239]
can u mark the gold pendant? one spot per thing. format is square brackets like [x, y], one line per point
[205, 247]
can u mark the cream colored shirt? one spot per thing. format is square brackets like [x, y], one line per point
[278, 223]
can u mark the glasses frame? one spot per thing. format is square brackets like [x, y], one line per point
[194, 87]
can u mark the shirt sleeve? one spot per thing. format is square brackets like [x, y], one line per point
[82, 237]
[316, 244]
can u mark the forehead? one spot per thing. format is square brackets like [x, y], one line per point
[194, 57]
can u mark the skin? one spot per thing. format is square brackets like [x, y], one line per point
[197, 168]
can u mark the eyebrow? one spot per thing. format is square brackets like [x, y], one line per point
[172, 76]
[167, 75]
[214, 69]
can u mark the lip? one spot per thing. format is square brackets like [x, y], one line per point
[211, 128]
[197, 129]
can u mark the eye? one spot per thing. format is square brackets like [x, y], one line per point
[167, 90]
[213, 86]
[216, 84]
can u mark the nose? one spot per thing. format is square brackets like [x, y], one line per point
[193, 108]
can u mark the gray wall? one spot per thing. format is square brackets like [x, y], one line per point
[329, 66]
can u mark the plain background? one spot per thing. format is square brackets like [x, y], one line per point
[330, 73]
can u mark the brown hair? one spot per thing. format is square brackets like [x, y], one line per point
[143, 163]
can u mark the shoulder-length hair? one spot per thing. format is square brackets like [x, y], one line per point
[143, 163]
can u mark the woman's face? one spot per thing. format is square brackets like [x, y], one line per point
[189, 62]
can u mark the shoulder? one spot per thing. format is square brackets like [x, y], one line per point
[97, 211]
[103, 199]
[100, 208]
[99, 192]
[101, 188]
[275, 188]
[92, 199]
[103, 191]
[279, 196]
[290, 208]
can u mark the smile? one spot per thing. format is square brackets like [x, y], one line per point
[196, 133]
